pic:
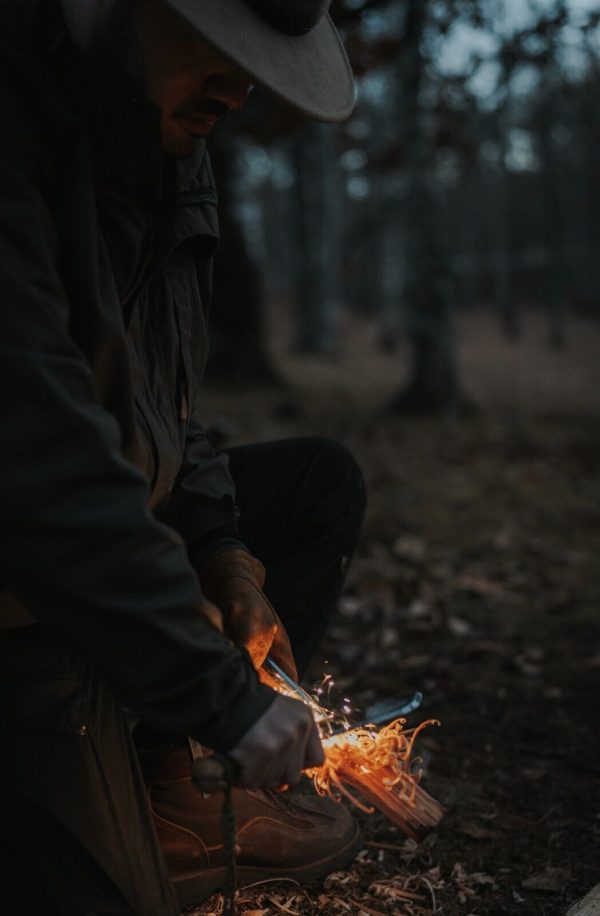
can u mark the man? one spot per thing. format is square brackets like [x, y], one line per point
[132, 554]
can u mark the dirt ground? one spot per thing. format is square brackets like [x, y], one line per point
[477, 580]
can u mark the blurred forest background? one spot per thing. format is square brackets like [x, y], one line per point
[423, 284]
[468, 177]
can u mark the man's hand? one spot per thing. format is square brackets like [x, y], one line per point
[282, 743]
[233, 581]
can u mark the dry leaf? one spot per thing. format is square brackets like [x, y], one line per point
[479, 585]
[366, 910]
[413, 549]
[459, 627]
[338, 880]
[548, 881]
[475, 831]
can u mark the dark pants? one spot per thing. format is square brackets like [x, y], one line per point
[302, 502]
[76, 831]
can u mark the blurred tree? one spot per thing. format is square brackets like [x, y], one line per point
[238, 338]
[491, 111]
[468, 174]
[549, 30]
[433, 382]
[317, 257]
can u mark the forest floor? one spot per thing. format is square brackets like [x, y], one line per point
[477, 581]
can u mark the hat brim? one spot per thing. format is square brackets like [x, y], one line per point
[310, 73]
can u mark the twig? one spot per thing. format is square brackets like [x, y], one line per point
[366, 909]
[271, 881]
[409, 895]
[393, 847]
[428, 884]
[392, 890]
[282, 908]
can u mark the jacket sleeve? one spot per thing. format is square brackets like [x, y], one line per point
[78, 546]
[202, 504]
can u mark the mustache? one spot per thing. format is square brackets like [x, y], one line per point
[207, 108]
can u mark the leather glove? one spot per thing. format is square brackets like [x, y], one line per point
[279, 746]
[213, 615]
[233, 580]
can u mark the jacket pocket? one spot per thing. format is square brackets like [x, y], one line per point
[57, 704]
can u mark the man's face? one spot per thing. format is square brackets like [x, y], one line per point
[193, 85]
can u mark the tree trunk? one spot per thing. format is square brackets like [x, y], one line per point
[317, 238]
[238, 351]
[555, 285]
[432, 384]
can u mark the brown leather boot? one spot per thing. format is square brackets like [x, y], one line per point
[279, 835]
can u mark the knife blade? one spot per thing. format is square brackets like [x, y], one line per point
[380, 713]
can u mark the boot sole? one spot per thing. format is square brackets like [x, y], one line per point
[197, 887]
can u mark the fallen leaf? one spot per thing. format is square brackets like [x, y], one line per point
[382, 889]
[350, 606]
[480, 878]
[284, 907]
[467, 884]
[475, 831]
[366, 910]
[527, 667]
[459, 627]
[478, 585]
[548, 881]
[413, 549]
[337, 880]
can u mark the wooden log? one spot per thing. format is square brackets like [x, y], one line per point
[414, 811]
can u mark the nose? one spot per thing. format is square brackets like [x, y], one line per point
[230, 89]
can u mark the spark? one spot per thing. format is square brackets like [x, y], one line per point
[379, 763]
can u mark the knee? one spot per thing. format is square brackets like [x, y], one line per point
[344, 477]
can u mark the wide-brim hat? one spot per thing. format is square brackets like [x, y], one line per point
[290, 47]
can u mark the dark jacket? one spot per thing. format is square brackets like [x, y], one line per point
[105, 280]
